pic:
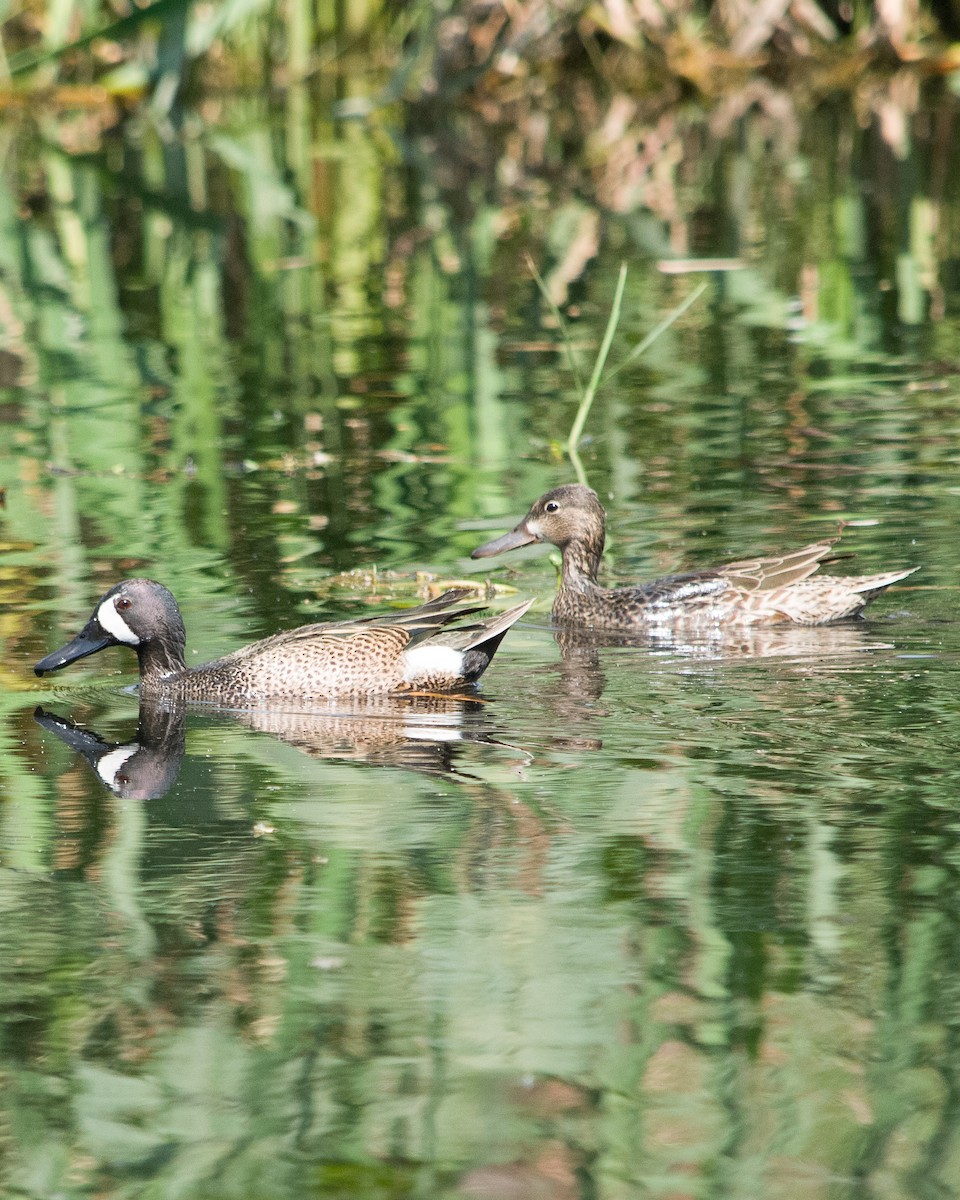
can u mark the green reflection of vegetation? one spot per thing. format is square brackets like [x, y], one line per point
[717, 963]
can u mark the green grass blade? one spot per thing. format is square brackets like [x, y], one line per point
[587, 399]
[645, 343]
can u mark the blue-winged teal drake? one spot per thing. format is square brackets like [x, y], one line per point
[404, 652]
[758, 591]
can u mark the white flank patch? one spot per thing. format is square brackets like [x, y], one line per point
[429, 662]
[115, 625]
[108, 767]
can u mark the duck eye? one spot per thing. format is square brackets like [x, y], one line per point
[552, 506]
[123, 603]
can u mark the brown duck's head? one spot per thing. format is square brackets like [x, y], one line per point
[569, 515]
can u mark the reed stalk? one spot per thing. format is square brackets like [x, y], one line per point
[586, 400]
[597, 377]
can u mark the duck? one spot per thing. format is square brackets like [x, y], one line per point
[419, 651]
[780, 589]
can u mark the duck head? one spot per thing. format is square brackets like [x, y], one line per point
[569, 515]
[135, 612]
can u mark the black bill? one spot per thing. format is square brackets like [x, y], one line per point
[88, 641]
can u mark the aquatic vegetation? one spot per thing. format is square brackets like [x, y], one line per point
[429, 51]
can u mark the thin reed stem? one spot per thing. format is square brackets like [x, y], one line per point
[597, 377]
[586, 400]
[658, 329]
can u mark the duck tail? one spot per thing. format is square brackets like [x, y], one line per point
[870, 586]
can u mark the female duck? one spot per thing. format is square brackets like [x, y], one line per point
[411, 651]
[758, 591]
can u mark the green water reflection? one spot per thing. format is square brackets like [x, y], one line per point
[651, 920]
[704, 922]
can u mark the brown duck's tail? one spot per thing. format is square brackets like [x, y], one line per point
[827, 598]
[870, 586]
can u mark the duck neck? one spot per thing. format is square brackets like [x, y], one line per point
[159, 659]
[581, 563]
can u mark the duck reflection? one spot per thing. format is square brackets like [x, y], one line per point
[144, 768]
[419, 734]
[720, 642]
[586, 655]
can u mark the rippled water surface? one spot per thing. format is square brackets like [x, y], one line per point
[640, 919]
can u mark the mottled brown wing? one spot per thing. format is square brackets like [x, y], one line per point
[417, 622]
[412, 623]
[765, 574]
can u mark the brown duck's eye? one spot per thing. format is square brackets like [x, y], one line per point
[123, 602]
[552, 506]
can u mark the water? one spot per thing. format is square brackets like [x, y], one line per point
[643, 920]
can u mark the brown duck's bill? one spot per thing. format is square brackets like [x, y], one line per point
[521, 536]
[88, 641]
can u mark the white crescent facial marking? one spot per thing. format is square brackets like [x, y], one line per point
[534, 528]
[427, 662]
[108, 767]
[115, 625]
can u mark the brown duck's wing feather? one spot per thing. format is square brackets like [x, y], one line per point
[779, 571]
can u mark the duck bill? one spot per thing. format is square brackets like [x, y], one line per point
[521, 536]
[88, 641]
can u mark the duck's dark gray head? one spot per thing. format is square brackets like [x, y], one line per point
[569, 515]
[136, 612]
